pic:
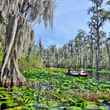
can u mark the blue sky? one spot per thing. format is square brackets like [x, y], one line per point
[69, 17]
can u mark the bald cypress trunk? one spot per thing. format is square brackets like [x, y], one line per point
[108, 53]
[9, 69]
[19, 34]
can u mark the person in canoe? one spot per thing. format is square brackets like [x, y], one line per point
[68, 72]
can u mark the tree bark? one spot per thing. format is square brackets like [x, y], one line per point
[108, 53]
[9, 68]
[91, 54]
[97, 61]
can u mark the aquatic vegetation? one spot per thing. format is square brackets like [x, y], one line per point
[53, 90]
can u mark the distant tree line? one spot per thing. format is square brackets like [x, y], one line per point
[77, 53]
[88, 49]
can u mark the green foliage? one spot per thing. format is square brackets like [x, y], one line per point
[68, 91]
[31, 62]
[6, 98]
[103, 72]
[54, 91]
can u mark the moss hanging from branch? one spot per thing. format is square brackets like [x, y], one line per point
[18, 36]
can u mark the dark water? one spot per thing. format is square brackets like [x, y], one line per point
[106, 104]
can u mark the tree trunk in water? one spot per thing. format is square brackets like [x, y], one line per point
[108, 53]
[91, 57]
[10, 73]
[97, 61]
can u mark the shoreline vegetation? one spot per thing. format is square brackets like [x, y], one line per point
[51, 88]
